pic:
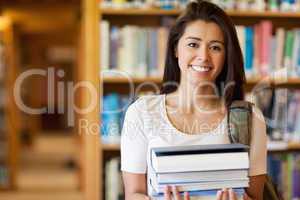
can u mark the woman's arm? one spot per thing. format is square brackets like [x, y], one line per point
[135, 186]
[256, 187]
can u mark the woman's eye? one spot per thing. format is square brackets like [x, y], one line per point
[216, 48]
[193, 44]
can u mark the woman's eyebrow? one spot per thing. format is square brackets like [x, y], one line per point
[193, 38]
[199, 39]
[216, 41]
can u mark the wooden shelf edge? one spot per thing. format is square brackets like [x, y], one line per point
[3, 188]
[134, 80]
[250, 81]
[110, 147]
[232, 13]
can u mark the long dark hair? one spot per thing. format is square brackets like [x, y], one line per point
[232, 72]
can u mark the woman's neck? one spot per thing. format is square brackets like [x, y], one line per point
[202, 99]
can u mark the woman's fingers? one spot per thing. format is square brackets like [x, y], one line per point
[186, 196]
[232, 195]
[225, 194]
[219, 195]
[167, 193]
[176, 193]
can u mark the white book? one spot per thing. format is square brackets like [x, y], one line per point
[112, 181]
[280, 35]
[104, 45]
[199, 158]
[241, 37]
[200, 176]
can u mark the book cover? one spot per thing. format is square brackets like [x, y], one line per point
[199, 158]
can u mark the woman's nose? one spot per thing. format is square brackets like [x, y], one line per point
[203, 54]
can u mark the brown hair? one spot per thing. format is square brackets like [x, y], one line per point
[232, 72]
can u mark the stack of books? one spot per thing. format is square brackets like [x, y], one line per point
[201, 170]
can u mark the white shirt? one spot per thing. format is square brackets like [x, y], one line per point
[147, 125]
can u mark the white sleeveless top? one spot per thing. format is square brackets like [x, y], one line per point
[146, 125]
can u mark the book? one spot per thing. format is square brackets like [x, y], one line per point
[207, 185]
[199, 158]
[113, 180]
[204, 195]
[199, 176]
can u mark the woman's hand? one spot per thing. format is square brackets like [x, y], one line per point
[229, 194]
[176, 195]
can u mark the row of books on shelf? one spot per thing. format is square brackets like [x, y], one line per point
[284, 170]
[140, 51]
[162, 4]
[273, 5]
[266, 54]
[281, 110]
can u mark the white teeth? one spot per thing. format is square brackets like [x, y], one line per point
[201, 68]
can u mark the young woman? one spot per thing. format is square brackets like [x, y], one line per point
[203, 76]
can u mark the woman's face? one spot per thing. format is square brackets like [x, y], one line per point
[201, 52]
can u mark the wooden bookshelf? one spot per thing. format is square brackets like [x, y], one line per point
[151, 16]
[11, 115]
[87, 72]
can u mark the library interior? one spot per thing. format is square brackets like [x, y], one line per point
[86, 61]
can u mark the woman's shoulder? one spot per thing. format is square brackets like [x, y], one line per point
[257, 113]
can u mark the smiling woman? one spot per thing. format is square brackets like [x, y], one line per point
[203, 76]
[200, 52]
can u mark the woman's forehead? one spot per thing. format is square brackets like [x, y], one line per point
[204, 30]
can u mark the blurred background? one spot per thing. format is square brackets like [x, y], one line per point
[39, 152]
[58, 57]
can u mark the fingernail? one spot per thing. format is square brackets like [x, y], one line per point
[219, 192]
[224, 190]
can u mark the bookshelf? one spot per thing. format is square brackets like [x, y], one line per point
[152, 17]
[9, 115]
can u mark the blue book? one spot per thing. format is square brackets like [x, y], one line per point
[249, 50]
[111, 117]
[238, 191]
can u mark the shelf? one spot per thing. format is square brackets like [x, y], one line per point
[117, 80]
[281, 146]
[111, 147]
[174, 12]
[272, 147]
[252, 81]
[4, 188]
[139, 11]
